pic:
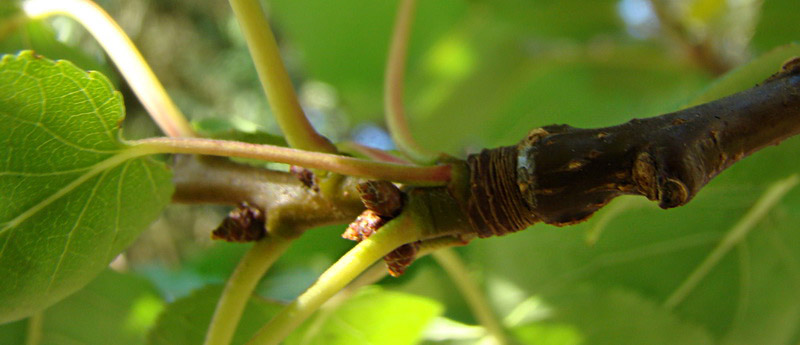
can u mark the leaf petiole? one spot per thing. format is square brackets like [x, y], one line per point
[393, 87]
[397, 232]
[123, 52]
[424, 176]
[240, 287]
[275, 80]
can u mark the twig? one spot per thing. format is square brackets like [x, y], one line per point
[561, 175]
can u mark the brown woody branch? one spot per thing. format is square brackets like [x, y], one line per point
[562, 174]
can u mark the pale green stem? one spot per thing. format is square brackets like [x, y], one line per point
[240, 286]
[475, 298]
[394, 83]
[397, 232]
[33, 334]
[127, 58]
[427, 176]
[275, 80]
[369, 152]
[763, 205]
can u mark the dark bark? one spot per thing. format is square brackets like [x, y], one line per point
[561, 175]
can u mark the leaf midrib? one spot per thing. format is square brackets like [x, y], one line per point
[121, 156]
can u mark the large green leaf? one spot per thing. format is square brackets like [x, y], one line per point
[72, 194]
[114, 309]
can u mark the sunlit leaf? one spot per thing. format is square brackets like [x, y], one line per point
[371, 317]
[72, 194]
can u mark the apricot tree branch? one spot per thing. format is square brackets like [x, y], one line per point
[561, 175]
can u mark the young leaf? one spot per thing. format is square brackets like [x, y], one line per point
[72, 194]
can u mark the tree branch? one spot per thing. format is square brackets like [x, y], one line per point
[290, 206]
[561, 175]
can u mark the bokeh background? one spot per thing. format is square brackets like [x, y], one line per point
[481, 74]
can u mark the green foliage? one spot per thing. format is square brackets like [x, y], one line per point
[748, 75]
[18, 33]
[361, 319]
[71, 196]
[372, 316]
[114, 308]
[185, 321]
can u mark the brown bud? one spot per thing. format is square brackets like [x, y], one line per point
[399, 259]
[383, 197]
[243, 224]
[305, 176]
[364, 226]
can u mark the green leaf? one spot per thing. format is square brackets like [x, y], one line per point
[186, 320]
[72, 195]
[778, 25]
[372, 316]
[336, 49]
[749, 74]
[114, 309]
[613, 316]
[218, 128]
[18, 32]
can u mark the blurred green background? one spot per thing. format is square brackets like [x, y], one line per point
[481, 74]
